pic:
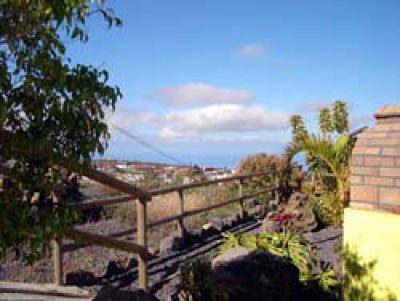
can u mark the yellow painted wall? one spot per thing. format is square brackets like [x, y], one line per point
[376, 236]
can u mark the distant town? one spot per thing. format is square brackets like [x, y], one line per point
[154, 175]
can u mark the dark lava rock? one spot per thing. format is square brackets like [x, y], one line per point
[81, 278]
[170, 244]
[328, 243]
[255, 211]
[228, 223]
[209, 230]
[235, 219]
[302, 218]
[194, 236]
[109, 293]
[114, 268]
[260, 277]
[270, 226]
[217, 223]
[234, 254]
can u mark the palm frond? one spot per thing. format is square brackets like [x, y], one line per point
[291, 151]
[320, 148]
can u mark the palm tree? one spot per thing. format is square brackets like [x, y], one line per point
[299, 130]
[340, 116]
[326, 123]
[334, 156]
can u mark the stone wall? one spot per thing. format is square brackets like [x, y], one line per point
[375, 168]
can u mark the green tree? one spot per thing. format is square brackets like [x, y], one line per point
[335, 155]
[326, 125]
[50, 110]
[333, 122]
[259, 163]
[340, 117]
[299, 130]
[328, 155]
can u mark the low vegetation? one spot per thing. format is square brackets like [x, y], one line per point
[290, 245]
[328, 155]
[327, 209]
[200, 282]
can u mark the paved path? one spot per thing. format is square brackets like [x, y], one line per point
[163, 269]
[41, 292]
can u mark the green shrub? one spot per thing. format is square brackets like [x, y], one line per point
[292, 246]
[198, 282]
[328, 209]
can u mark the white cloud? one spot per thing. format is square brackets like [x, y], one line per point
[171, 134]
[220, 118]
[217, 122]
[251, 51]
[243, 138]
[127, 118]
[201, 93]
[315, 106]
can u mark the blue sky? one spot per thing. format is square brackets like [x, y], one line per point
[212, 81]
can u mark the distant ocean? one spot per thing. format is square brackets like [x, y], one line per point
[212, 161]
[231, 160]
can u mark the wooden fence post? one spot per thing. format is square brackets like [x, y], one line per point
[243, 212]
[58, 261]
[276, 184]
[313, 183]
[181, 222]
[141, 209]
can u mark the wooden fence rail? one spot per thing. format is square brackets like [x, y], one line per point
[142, 197]
[183, 214]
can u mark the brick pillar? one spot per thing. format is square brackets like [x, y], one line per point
[375, 168]
[375, 186]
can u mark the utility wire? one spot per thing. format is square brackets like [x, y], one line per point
[148, 145]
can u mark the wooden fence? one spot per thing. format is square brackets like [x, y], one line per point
[143, 197]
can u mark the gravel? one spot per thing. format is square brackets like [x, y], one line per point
[162, 269]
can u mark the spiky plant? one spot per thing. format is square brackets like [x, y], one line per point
[335, 155]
